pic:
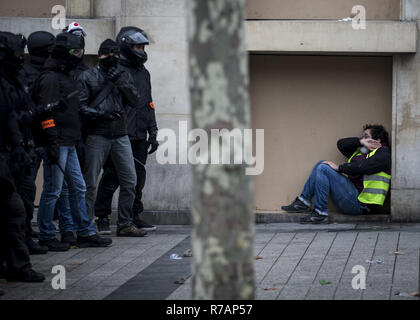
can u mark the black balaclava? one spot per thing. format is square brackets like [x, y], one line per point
[107, 47]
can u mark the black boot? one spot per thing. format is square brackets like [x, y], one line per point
[93, 241]
[55, 245]
[27, 276]
[68, 237]
[35, 248]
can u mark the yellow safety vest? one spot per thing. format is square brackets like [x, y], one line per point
[375, 186]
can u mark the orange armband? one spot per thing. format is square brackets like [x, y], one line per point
[47, 124]
[151, 105]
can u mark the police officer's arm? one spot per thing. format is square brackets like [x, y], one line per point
[11, 124]
[380, 161]
[13, 128]
[125, 85]
[49, 92]
[348, 146]
[85, 97]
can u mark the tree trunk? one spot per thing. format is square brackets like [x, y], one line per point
[222, 208]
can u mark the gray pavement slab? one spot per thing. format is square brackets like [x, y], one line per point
[292, 262]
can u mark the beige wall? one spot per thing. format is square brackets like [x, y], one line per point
[321, 9]
[28, 8]
[305, 104]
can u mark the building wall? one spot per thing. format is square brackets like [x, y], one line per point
[169, 187]
[25, 8]
[321, 9]
[305, 104]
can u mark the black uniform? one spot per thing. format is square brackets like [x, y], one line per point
[142, 131]
[25, 113]
[13, 250]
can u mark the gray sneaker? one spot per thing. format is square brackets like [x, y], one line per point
[131, 231]
[315, 218]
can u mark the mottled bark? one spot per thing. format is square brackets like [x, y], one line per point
[222, 208]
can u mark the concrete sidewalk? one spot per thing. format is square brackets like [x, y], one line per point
[292, 261]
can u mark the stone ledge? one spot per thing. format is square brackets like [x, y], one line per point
[330, 37]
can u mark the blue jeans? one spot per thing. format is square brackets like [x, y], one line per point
[73, 204]
[325, 181]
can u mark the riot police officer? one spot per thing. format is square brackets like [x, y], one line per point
[25, 112]
[14, 255]
[39, 46]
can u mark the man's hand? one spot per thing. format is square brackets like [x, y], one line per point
[115, 115]
[331, 164]
[114, 74]
[154, 145]
[370, 144]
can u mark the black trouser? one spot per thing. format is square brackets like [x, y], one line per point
[26, 188]
[13, 249]
[109, 182]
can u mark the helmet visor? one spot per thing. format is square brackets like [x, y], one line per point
[77, 52]
[135, 38]
[79, 32]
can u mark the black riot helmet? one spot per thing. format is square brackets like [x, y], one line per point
[40, 44]
[68, 49]
[127, 38]
[11, 51]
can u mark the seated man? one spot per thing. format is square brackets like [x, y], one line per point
[368, 171]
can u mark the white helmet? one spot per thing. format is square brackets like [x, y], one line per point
[75, 28]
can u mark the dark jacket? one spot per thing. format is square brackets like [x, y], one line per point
[123, 94]
[141, 118]
[10, 137]
[56, 85]
[31, 72]
[359, 166]
[23, 106]
[28, 76]
[76, 72]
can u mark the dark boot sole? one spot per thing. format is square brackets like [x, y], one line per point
[131, 236]
[87, 245]
[297, 211]
[105, 232]
[34, 253]
[21, 280]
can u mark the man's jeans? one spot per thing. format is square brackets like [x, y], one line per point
[73, 204]
[97, 149]
[325, 181]
[109, 182]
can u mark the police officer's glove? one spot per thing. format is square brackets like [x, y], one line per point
[53, 153]
[115, 115]
[114, 74]
[153, 145]
[22, 158]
